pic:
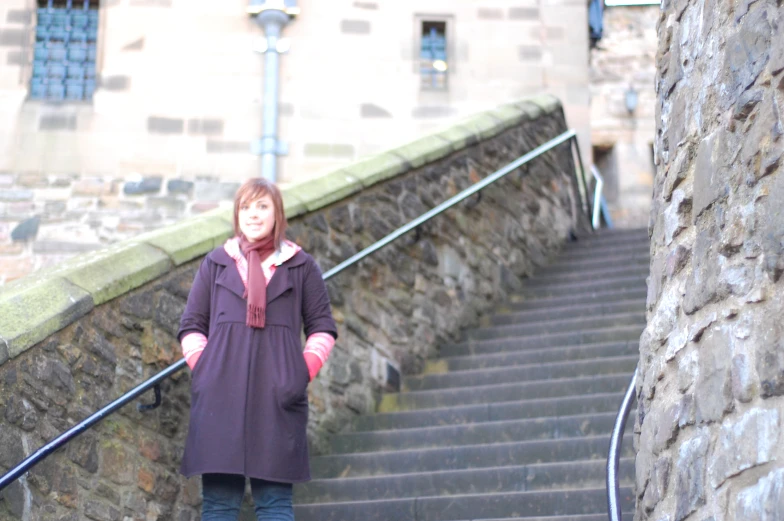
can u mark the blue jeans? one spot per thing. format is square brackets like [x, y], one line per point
[222, 496]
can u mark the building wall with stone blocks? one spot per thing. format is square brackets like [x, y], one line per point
[710, 404]
[180, 85]
[168, 134]
[76, 337]
[623, 141]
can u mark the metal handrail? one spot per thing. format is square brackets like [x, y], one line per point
[64, 438]
[453, 201]
[614, 454]
[597, 197]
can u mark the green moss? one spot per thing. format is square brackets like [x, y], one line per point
[117, 270]
[509, 115]
[483, 125]
[377, 168]
[189, 239]
[424, 150]
[459, 137]
[292, 204]
[325, 190]
[38, 307]
[436, 367]
[547, 102]
[389, 403]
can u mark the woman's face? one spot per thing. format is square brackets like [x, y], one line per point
[257, 218]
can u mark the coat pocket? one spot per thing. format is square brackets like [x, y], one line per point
[293, 388]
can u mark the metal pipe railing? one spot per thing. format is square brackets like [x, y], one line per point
[614, 454]
[75, 431]
[498, 174]
[597, 198]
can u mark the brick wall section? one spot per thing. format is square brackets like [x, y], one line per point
[107, 320]
[710, 397]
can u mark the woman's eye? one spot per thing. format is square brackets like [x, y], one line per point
[244, 207]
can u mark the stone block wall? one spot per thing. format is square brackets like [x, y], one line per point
[180, 84]
[76, 337]
[712, 372]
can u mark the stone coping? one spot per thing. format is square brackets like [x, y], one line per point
[36, 306]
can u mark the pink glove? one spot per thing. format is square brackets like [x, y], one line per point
[193, 359]
[314, 364]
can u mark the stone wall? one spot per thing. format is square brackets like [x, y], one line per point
[710, 397]
[76, 337]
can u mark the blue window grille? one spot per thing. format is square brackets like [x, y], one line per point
[65, 50]
[433, 59]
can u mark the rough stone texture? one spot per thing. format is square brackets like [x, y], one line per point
[763, 501]
[394, 308]
[714, 344]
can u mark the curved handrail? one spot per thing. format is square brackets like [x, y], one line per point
[82, 426]
[614, 455]
[597, 197]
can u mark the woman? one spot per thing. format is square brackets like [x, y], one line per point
[240, 335]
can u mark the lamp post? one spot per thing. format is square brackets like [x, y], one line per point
[272, 16]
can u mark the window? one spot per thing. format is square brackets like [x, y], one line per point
[65, 50]
[433, 58]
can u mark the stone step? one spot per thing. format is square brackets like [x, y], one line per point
[517, 478]
[608, 244]
[467, 507]
[521, 343]
[585, 286]
[533, 356]
[588, 299]
[522, 373]
[506, 392]
[581, 250]
[614, 234]
[605, 273]
[577, 264]
[505, 316]
[625, 516]
[489, 412]
[557, 325]
[465, 457]
[473, 434]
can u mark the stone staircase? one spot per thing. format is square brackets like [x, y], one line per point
[513, 422]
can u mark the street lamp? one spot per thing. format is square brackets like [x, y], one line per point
[272, 16]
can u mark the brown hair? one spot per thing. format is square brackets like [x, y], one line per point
[253, 189]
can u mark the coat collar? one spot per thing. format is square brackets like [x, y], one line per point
[230, 277]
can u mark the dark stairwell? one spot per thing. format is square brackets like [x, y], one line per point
[514, 421]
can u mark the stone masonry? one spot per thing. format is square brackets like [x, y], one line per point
[712, 365]
[76, 337]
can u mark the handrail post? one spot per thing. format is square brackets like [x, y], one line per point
[597, 198]
[586, 202]
[614, 455]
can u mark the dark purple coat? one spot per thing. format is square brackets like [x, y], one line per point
[249, 401]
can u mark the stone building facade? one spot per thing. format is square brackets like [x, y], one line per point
[624, 63]
[179, 84]
[712, 372]
[178, 104]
